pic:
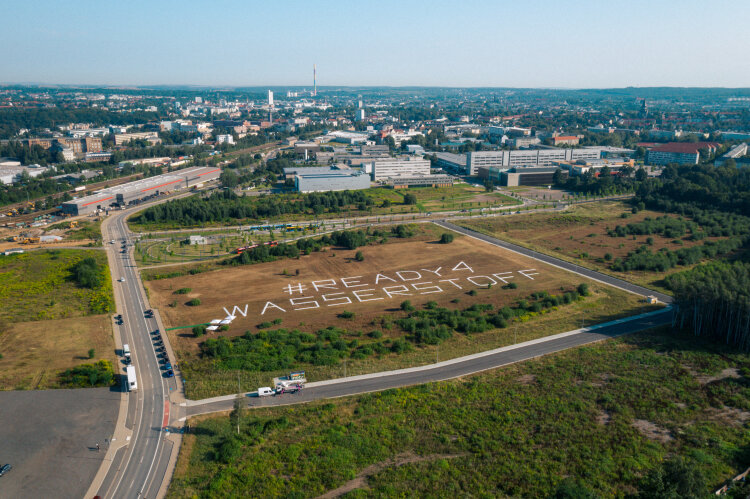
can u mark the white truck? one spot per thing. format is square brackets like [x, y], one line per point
[126, 352]
[132, 383]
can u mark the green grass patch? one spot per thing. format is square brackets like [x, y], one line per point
[602, 415]
[54, 284]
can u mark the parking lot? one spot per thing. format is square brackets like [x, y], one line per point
[50, 437]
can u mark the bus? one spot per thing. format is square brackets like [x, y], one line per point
[132, 384]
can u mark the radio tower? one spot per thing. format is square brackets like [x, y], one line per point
[315, 85]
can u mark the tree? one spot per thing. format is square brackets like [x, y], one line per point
[674, 479]
[229, 179]
[410, 199]
[446, 238]
[557, 177]
[641, 174]
[359, 256]
[92, 353]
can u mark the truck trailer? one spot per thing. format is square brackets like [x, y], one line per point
[132, 383]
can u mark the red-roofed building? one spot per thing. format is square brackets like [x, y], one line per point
[682, 153]
[570, 140]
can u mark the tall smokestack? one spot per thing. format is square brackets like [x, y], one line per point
[315, 84]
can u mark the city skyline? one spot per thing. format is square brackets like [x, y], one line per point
[481, 44]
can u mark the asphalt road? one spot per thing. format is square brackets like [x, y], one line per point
[572, 267]
[140, 470]
[50, 437]
[344, 387]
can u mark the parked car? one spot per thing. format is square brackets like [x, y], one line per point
[5, 468]
[265, 391]
[169, 373]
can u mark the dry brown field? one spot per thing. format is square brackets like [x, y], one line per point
[579, 235]
[331, 282]
[34, 352]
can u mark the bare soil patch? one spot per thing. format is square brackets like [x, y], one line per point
[729, 372]
[526, 379]
[603, 418]
[360, 482]
[652, 431]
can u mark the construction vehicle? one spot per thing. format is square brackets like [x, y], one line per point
[29, 240]
[73, 223]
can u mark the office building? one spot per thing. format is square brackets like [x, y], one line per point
[681, 153]
[270, 98]
[534, 157]
[140, 190]
[566, 140]
[225, 139]
[531, 175]
[387, 168]
[124, 138]
[451, 162]
[406, 181]
[78, 145]
[737, 153]
[359, 115]
[332, 180]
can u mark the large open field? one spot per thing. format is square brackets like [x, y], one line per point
[579, 235]
[48, 321]
[38, 285]
[362, 300]
[33, 353]
[601, 416]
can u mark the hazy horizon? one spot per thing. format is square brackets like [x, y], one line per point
[474, 44]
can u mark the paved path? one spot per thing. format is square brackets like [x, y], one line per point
[453, 368]
[571, 267]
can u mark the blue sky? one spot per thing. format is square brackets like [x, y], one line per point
[573, 43]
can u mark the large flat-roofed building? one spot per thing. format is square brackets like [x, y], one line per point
[736, 153]
[141, 190]
[406, 181]
[383, 169]
[533, 157]
[333, 180]
[529, 176]
[14, 173]
[681, 153]
[451, 162]
[77, 145]
[124, 138]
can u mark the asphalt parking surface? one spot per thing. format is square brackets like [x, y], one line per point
[50, 437]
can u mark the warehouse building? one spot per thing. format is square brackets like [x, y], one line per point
[140, 190]
[332, 180]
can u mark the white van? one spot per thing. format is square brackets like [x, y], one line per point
[265, 391]
[126, 352]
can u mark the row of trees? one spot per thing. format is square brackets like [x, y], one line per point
[714, 301]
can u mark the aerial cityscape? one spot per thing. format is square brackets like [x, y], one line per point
[344, 250]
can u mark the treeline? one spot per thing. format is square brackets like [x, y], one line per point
[664, 259]
[14, 119]
[349, 239]
[604, 184]
[226, 206]
[713, 300]
[98, 374]
[685, 189]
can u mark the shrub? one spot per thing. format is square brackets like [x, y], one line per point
[473, 292]
[86, 273]
[199, 331]
[346, 314]
[98, 374]
[359, 256]
[173, 304]
[375, 334]
[446, 238]
[406, 306]
[193, 303]
[92, 353]
[583, 289]
[608, 256]
[183, 291]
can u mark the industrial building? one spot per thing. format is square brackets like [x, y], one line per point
[141, 190]
[451, 162]
[124, 138]
[737, 153]
[332, 180]
[13, 172]
[387, 168]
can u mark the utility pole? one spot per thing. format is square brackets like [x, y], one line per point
[437, 353]
[583, 319]
[345, 368]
